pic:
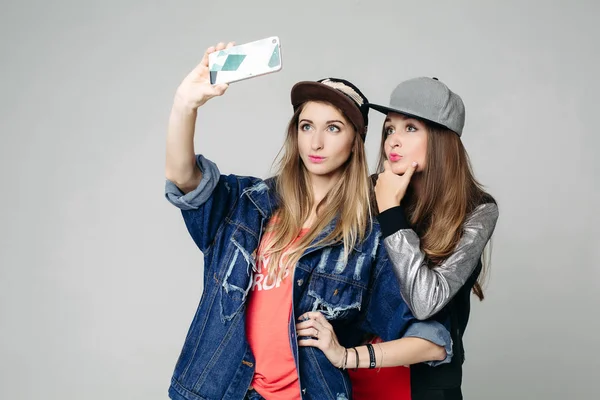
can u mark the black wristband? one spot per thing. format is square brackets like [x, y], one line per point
[357, 359]
[372, 361]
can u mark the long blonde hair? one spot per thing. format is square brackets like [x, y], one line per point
[448, 193]
[349, 200]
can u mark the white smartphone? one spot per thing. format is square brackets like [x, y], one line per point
[245, 61]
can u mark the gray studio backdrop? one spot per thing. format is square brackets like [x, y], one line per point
[98, 277]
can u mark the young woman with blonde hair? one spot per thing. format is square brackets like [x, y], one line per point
[289, 259]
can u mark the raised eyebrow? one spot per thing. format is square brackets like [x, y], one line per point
[413, 121]
[408, 120]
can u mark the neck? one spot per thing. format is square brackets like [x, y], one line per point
[321, 185]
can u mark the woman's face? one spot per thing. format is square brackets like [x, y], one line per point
[325, 139]
[405, 142]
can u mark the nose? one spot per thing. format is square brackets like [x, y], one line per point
[317, 141]
[394, 140]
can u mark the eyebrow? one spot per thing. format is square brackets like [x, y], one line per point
[407, 119]
[328, 122]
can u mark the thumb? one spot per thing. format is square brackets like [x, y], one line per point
[220, 89]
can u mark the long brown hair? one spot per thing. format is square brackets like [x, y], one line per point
[440, 197]
[349, 200]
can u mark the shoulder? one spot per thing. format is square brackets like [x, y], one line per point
[487, 198]
[484, 214]
[485, 204]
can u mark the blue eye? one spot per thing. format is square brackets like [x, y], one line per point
[305, 127]
[333, 128]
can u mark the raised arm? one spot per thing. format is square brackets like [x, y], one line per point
[195, 90]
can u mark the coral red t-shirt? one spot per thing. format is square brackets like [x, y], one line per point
[267, 324]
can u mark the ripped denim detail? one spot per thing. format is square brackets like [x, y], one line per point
[334, 299]
[358, 267]
[340, 263]
[234, 296]
[323, 261]
[330, 311]
[258, 188]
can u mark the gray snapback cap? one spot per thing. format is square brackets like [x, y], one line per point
[428, 99]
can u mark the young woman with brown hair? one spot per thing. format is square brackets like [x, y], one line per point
[436, 220]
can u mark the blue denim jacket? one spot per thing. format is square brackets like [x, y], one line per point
[226, 216]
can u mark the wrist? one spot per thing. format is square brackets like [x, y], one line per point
[352, 352]
[182, 104]
[343, 359]
[386, 205]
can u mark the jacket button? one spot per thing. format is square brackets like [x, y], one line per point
[300, 282]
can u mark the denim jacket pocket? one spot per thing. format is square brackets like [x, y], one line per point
[237, 278]
[335, 297]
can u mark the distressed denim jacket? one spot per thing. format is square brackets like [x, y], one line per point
[225, 215]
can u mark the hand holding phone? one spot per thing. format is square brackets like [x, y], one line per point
[196, 88]
[245, 61]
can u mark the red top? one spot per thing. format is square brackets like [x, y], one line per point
[392, 383]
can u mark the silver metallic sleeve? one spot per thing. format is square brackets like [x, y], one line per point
[427, 290]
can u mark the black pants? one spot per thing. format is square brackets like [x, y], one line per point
[437, 394]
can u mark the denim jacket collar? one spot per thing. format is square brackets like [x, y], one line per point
[266, 200]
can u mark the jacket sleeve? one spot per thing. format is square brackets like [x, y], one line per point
[427, 290]
[204, 209]
[390, 318]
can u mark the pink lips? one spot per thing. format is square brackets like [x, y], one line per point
[395, 157]
[316, 159]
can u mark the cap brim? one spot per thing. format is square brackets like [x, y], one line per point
[386, 110]
[315, 91]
